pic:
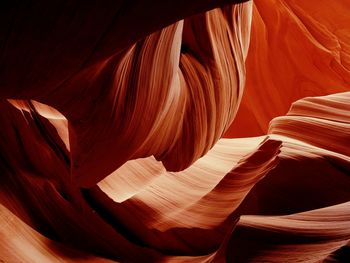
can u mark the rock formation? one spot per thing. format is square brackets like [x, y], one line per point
[175, 131]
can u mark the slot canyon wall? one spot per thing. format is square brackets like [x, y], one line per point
[175, 131]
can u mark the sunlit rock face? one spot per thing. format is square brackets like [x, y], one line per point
[297, 49]
[126, 131]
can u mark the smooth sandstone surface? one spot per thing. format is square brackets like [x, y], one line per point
[175, 131]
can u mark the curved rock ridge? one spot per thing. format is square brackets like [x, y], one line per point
[304, 237]
[112, 119]
[23, 244]
[184, 97]
[298, 49]
[192, 212]
[183, 76]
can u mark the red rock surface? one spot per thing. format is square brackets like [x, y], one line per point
[126, 131]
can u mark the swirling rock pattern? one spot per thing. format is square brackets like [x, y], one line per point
[112, 118]
[298, 49]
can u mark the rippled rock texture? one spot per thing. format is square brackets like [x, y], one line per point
[175, 131]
